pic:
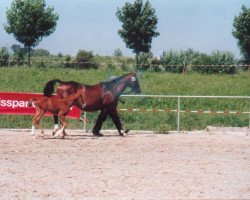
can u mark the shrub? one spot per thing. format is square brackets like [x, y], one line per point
[156, 65]
[39, 53]
[224, 62]
[172, 61]
[85, 60]
[18, 55]
[202, 64]
[144, 61]
[219, 62]
[4, 56]
[67, 62]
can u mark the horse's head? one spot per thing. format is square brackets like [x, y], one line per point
[133, 83]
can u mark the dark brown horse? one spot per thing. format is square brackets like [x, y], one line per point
[103, 96]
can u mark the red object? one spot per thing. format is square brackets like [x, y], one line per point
[17, 104]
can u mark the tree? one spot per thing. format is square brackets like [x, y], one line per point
[29, 21]
[139, 26]
[242, 32]
[117, 52]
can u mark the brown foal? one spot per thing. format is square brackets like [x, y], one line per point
[60, 107]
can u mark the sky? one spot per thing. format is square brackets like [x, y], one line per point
[203, 25]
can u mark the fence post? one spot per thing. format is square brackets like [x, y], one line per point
[85, 122]
[178, 114]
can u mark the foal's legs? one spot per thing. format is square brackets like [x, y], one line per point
[98, 125]
[36, 121]
[56, 127]
[33, 124]
[115, 117]
[62, 130]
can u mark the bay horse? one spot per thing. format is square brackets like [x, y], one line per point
[56, 106]
[102, 96]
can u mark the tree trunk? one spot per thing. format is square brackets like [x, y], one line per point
[137, 60]
[29, 56]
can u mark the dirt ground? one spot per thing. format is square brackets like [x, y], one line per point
[139, 166]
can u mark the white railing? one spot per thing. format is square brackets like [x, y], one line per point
[178, 109]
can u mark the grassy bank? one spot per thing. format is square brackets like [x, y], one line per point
[32, 79]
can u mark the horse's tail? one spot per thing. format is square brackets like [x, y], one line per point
[31, 101]
[49, 87]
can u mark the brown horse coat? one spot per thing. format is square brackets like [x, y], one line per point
[102, 96]
[59, 107]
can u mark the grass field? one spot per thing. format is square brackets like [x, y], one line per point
[33, 79]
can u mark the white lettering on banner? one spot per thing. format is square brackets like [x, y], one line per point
[13, 103]
[16, 104]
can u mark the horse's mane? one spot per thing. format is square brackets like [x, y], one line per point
[109, 84]
[118, 79]
[50, 86]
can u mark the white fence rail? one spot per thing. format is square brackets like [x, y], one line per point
[178, 109]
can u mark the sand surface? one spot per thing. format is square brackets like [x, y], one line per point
[139, 166]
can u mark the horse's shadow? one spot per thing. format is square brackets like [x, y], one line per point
[84, 137]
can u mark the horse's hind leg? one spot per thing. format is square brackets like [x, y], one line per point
[42, 131]
[98, 125]
[62, 130]
[56, 127]
[115, 117]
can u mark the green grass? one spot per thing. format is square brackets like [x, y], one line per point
[33, 79]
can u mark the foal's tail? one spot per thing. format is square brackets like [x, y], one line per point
[31, 101]
[49, 87]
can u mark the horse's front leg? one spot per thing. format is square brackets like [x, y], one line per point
[34, 122]
[37, 122]
[98, 125]
[115, 117]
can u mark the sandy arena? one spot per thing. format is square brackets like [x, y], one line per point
[139, 166]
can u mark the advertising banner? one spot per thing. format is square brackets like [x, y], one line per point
[17, 104]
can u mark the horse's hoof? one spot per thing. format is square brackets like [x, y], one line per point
[98, 134]
[66, 134]
[123, 133]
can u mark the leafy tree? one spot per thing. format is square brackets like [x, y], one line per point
[29, 21]
[139, 26]
[117, 52]
[242, 32]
